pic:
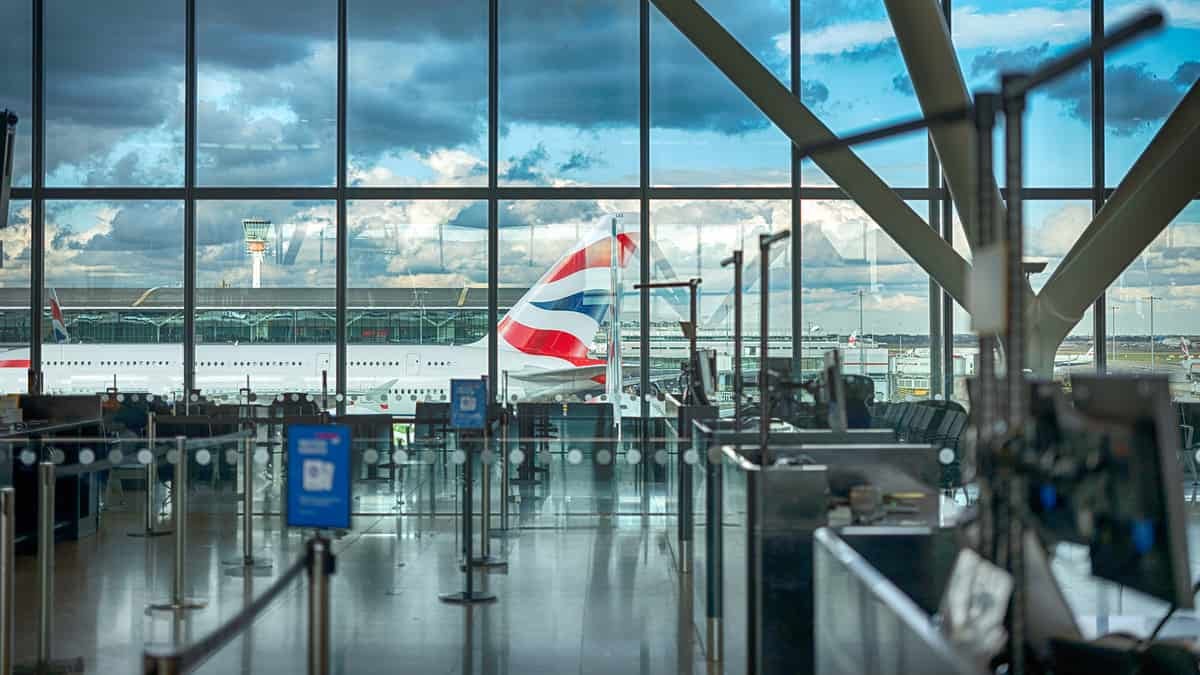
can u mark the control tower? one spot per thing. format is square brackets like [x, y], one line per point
[255, 231]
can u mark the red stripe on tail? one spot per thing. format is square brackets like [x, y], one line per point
[597, 254]
[541, 342]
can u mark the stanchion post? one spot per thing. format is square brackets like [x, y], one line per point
[179, 503]
[486, 559]
[46, 480]
[714, 554]
[150, 526]
[8, 524]
[247, 559]
[320, 566]
[505, 469]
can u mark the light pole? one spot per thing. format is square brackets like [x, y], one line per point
[1153, 362]
[862, 361]
[1114, 332]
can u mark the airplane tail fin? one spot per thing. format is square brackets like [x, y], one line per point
[560, 314]
[57, 323]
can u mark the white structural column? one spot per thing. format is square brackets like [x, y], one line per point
[932, 63]
[870, 192]
[1161, 184]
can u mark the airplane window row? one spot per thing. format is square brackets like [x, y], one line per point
[419, 391]
[248, 364]
[368, 364]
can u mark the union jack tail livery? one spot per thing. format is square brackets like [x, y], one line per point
[57, 324]
[559, 317]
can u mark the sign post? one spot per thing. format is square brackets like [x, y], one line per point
[318, 476]
[468, 410]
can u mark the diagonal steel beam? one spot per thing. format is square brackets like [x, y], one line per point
[879, 201]
[932, 63]
[1161, 184]
[1179, 124]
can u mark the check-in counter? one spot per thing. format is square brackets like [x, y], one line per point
[775, 509]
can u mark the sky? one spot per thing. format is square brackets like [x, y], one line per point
[568, 117]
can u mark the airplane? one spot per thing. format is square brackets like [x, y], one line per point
[543, 342]
[1073, 360]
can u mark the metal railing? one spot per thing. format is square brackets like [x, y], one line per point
[318, 562]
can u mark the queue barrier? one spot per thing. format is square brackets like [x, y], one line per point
[48, 475]
[318, 562]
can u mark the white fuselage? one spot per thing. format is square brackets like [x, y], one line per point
[390, 378]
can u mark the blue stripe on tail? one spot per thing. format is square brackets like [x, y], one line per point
[594, 303]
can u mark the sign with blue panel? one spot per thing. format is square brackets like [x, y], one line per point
[468, 404]
[318, 476]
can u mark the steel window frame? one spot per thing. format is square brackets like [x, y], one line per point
[645, 192]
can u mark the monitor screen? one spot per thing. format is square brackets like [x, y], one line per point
[1115, 483]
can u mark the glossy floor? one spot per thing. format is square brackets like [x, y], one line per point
[601, 599]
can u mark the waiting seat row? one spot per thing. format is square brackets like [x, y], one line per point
[939, 423]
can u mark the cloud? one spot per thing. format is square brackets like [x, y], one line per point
[1136, 97]
[580, 161]
[527, 167]
[973, 29]
[902, 84]
[1186, 74]
[814, 93]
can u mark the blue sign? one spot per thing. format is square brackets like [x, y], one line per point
[318, 476]
[468, 404]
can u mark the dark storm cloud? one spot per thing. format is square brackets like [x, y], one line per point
[1187, 73]
[142, 227]
[1135, 97]
[527, 167]
[814, 93]
[570, 64]
[580, 161]
[902, 84]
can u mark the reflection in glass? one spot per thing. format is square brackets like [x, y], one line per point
[865, 296]
[14, 307]
[1152, 309]
[265, 280]
[116, 270]
[418, 301]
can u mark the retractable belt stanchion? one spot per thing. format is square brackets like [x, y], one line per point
[317, 564]
[45, 558]
[486, 460]
[468, 595]
[150, 526]
[320, 566]
[8, 523]
[179, 502]
[247, 560]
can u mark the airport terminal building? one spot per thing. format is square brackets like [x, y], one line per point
[739, 337]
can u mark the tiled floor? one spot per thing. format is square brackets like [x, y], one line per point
[597, 600]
